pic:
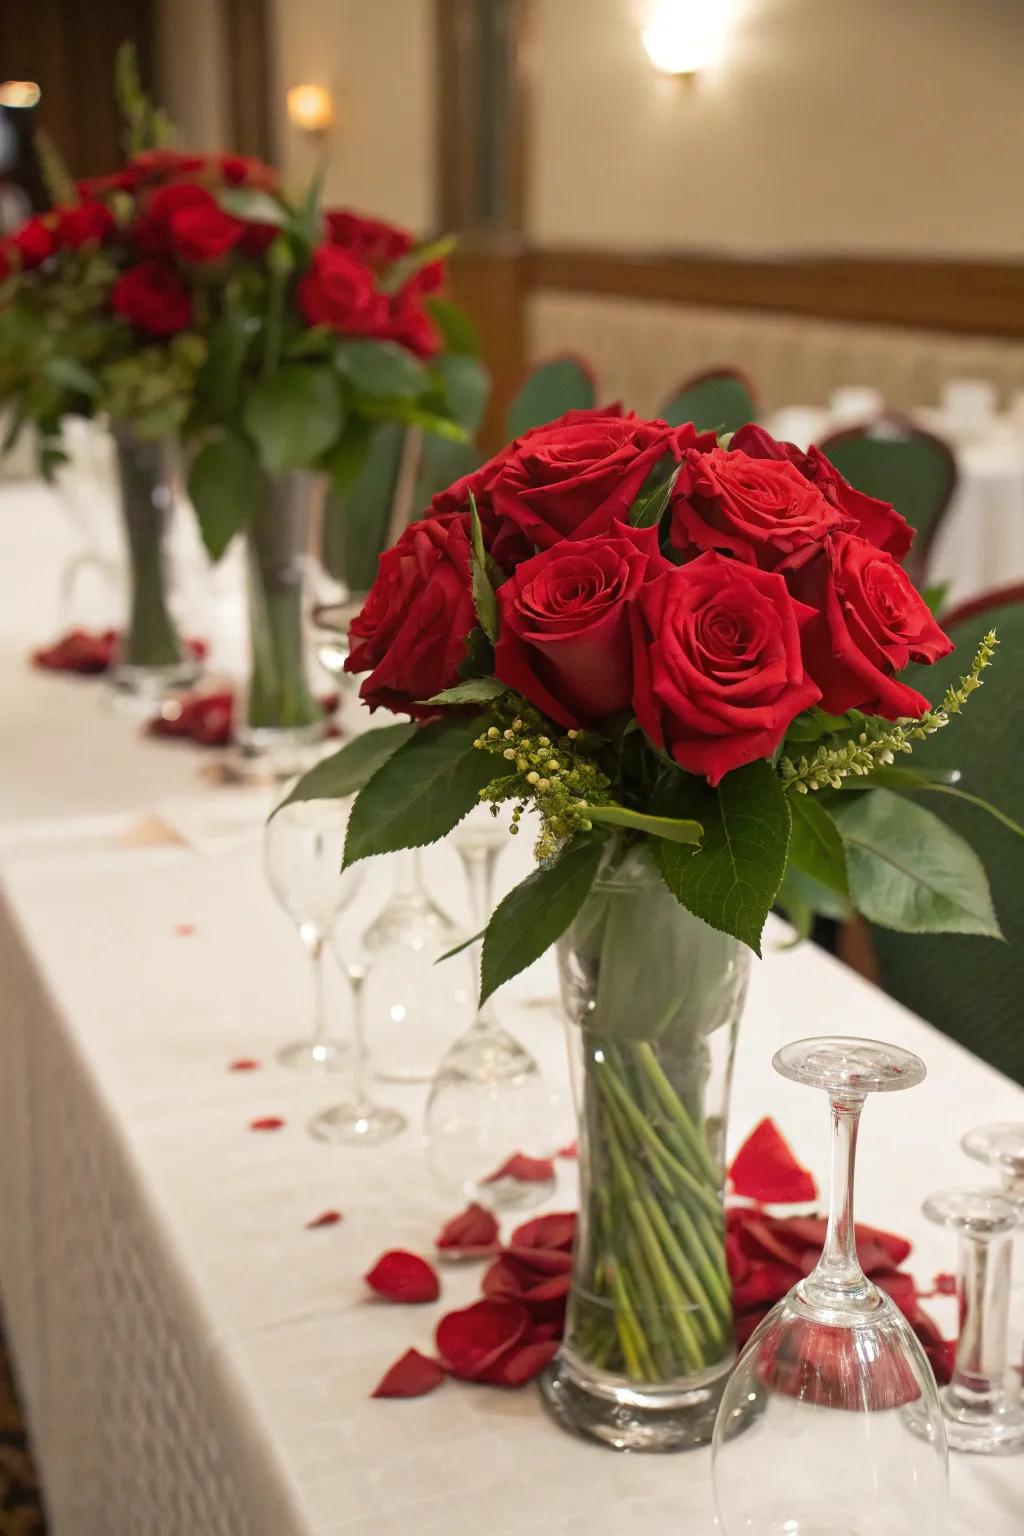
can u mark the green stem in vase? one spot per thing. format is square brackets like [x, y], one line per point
[679, 1127]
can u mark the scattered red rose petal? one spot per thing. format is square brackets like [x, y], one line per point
[414, 1375]
[555, 1230]
[945, 1284]
[570, 1150]
[525, 1170]
[473, 1339]
[403, 1277]
[199, 648]
[244, 1064]
[471, 1234]
[765, 1169]
[542, 1292]
[184, 930]
[266, 1123]
[80, 650]
[520, 1364]
[325, 1219]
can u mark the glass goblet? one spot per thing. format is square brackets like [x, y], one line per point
[357, 1121]
[831, 1423]
[303, 845]
[1001, 1147]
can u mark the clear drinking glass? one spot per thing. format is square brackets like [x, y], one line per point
[1001, 1147]
[488, 1103]
[303, 846]
[357, 1121]
[831, 1423]
[982, 1413]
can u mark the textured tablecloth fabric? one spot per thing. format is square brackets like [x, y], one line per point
[194, 1361]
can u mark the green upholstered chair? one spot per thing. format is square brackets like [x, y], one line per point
[549, 390]
[972, 988]
[902, 464]
[720, 400]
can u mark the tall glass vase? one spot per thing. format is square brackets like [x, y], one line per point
[653, 997]
[283, 722]
[151, 659]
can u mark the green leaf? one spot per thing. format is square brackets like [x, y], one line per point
[467, 386]
[671, 828]
[935, 595]
[345, 773]
[484, 600]
[813, 724]
[895, 776]
[381, 368]
[420, 793]
[411, 415]
[254, 206]
[537, 912]
[405, 267]
[732, 879]
[69, 374]
[217, 384]
[977, 801]
[655, 495]
[475, 690]
[804, 890]
[461, 337]
[815, 847]
[479, 658]
[909, 871]
[294, 416]
[458, 949]
[224, 484]
[798, 911]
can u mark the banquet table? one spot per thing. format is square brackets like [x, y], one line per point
[193, 1359]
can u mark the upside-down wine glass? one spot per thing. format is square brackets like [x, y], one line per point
[982, 1413]
[831, 1423]
[1001, 1147]
[302, 852]
[488, 1116]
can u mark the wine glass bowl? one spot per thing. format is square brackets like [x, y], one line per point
[1000, 1146]
[830, 1424]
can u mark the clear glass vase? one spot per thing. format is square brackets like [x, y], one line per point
[283, 723]
[653, 997]
[151, 659]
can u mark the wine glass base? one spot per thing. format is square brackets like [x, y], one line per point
[999, 1434]
[511, 1194]
[352, 1125]
[315, 1056]
[140, 690]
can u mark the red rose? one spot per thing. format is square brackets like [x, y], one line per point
[372, 240]
[115, 181]
[718, 674]
[80, 223]
[871, 519]
[6, 265]
[564, 640]
[411, 326]
[755, 509]
[338, 291]
[154, 164]
[502, 539]
[256, 239]
[572, 478]
[244, 171]
[152, 229]
[871, 621]
[34, 241]
[411, 633]
[200, 231]
[153, 298]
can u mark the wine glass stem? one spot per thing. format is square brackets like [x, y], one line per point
[479, 870]
[978, 1381]
[316, 958]
[357, 983]
[838, 1274]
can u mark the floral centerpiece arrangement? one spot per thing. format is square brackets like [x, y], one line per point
[188, 297]
[683, 656]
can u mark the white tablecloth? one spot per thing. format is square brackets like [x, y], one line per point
[195, 1362]
[980, 545]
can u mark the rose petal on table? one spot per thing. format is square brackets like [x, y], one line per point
[183, 930]
[403, 1277]
[473, 1233]
[901, 1289]
[471, 1340]
[80, 650]
[765, 1169]
[945, 1284]
[413, 1375]
[244, 1064]
[766, 1282]
[325, 1219]
[266, 1123]
[520, 1364]
[569, 1151]
[941, 1352]
[525, 1170]
[555, 1230]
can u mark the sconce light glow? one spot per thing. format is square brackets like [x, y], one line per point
[686, 36]
[311, 108]
[19, 93]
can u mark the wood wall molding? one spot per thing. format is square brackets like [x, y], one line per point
[250, 77]
[984, 297]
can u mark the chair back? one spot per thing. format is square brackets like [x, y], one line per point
[972, 988]
[722, 400]
[904, 465]
[549, 390]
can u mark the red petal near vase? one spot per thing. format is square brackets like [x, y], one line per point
[520, 1364]
[80, 650]
[569, 1151]
[404, 1277]
[473, 1232]
[266, 1123]
[244, 1064]
[525, 1170]
[556, 1230]
[325, 1219]
[470, 1341]
[414, 1375]
[765, 1169]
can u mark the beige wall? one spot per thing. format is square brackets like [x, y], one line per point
[377, 57]
[855, 125]
[190, 71]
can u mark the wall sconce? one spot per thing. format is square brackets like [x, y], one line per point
[19, 93]
[311, 110]
[686, 36]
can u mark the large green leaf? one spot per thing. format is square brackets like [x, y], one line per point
[475, 690]
[548, 391]
[346, 771]
[461, 338]
[254, 206]
[382, 368]
[908, 870]
[484, 600]
[732, 879]
[654, 495]
[672, 828]
[294, 416]
[537, 912]
[815, 847]
[421, 792]
[224, 483]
